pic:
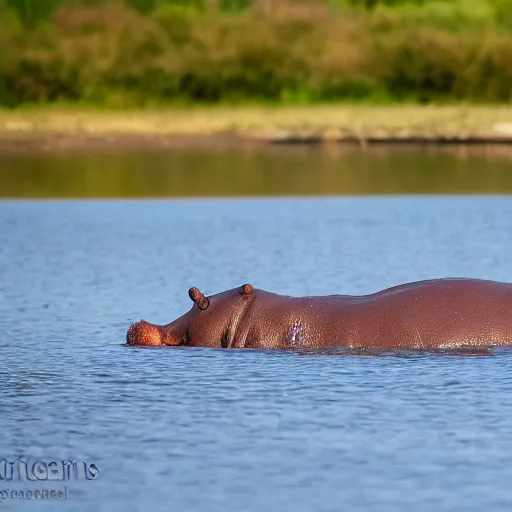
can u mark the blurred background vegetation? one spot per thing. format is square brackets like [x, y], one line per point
[129, 53]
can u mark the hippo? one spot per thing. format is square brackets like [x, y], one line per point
[430, 314]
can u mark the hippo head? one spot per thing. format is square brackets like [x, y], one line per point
[213, 321]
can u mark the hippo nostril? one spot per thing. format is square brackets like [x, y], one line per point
[143, 333]
[132, 333]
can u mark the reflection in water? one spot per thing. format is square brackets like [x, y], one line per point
[267, 171]
[463, 351]
[403, 353]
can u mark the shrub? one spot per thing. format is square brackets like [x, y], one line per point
[151, 51]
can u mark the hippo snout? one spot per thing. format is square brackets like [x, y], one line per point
[144, 333]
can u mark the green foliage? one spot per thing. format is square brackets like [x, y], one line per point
[177, 19]
[234, 5]
[502, 10]
[32, 10]
[141, 52]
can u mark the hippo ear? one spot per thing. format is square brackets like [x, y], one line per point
[201, 301]
[247, 289]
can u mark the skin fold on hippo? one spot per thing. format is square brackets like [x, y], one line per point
[439, 313]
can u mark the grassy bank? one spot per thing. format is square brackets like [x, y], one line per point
[328, 122]
[159, 52]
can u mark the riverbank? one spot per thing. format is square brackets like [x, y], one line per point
[54, 130]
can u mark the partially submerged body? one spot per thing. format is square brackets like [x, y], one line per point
[442, 313]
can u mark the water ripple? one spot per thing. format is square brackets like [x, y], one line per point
[217, 430]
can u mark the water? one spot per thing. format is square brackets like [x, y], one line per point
[218, 430]
[268, 171]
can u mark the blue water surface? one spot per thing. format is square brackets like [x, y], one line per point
[226, 430]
